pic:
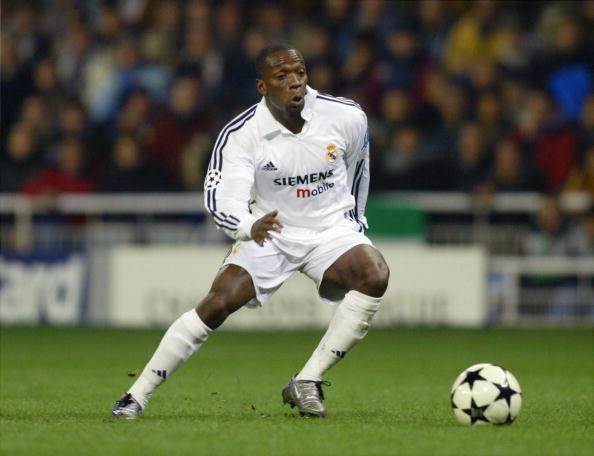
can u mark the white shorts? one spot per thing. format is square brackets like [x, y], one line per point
[295, 249]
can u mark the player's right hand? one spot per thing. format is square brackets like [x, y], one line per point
[262, 227]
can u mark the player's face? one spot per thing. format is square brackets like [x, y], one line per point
[283, 82]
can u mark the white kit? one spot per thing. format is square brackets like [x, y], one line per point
[317, 179]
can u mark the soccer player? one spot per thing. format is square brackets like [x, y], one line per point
[288, 180]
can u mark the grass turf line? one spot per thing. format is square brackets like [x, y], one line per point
[389, 396]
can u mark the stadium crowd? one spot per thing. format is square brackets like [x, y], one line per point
[128, 95]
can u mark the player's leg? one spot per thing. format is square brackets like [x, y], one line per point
[362, 268]
[231, 289]
[363, 273]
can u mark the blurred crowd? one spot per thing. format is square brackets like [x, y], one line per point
[129, 95]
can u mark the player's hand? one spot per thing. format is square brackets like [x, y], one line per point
[262, 227]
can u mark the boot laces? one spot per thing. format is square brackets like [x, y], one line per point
[312, 391]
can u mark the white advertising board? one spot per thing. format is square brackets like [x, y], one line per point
[151, 286]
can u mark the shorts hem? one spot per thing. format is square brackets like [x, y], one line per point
[260, 298]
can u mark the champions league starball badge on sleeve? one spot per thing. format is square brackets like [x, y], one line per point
[213, 179]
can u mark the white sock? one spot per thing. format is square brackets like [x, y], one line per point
[184, 337]
[349, 325]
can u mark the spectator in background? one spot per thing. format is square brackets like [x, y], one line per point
[195, 157]
[31, 42]
[472, 36]
[314, 41]
[512, 90]
[405, 165]
[128, 172]
[36, 114]
[316, 44]
[395, 110]
[134, 117]
[550, 144]
[228, 22]
[582, 175]
[323, 75]
[482, 75]
[356, 73]
[402, 63]
[433, 84]
[72, 120]
[434, 24]
[510, 172]
[566, 66]
[15, 82]
[489, 115]
[66, 177]
[72, 52]
[107, 24]
[47, 85]
[469, 164]
[197, 13]
[451, 105]
[555, 234]
[111, 75]
[159, 41]
[177, 125]
[20, 161]
[521, 71]
[586, 126]
[199, 57]
[238, 75]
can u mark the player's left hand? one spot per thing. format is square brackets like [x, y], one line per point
[262, 227]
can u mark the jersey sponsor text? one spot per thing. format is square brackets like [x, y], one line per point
[304, 179]
[307, 193]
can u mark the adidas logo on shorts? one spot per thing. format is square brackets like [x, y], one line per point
[269, 167]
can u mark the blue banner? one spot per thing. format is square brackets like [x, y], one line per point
[42, 288]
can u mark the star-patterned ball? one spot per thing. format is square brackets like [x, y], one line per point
[486, 394]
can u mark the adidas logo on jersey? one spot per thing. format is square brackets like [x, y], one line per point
[269, 167]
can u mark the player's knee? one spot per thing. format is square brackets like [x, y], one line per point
[374, 279]
[215, 308]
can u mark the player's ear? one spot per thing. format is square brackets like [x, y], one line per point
[261, 86]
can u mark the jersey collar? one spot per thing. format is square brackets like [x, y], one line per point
[268, 125]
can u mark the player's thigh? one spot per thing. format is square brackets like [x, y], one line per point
[361, 265]
[233, 285]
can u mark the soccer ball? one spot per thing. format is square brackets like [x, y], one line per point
[486, 394]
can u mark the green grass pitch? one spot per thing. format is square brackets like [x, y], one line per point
[390, 395]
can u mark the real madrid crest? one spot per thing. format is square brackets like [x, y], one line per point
[332, 152]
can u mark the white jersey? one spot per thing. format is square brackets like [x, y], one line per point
[316, 179]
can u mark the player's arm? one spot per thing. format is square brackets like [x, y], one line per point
[227, 191]
[228, 186]
[358, 166]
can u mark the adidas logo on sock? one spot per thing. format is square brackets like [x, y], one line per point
[269, 167]
[160, 373]
[340, 354]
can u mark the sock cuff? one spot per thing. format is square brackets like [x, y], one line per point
[195, 325]
[364, 301]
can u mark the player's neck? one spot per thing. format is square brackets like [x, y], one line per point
[293, 124]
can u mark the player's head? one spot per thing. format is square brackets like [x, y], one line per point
[281, 78]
